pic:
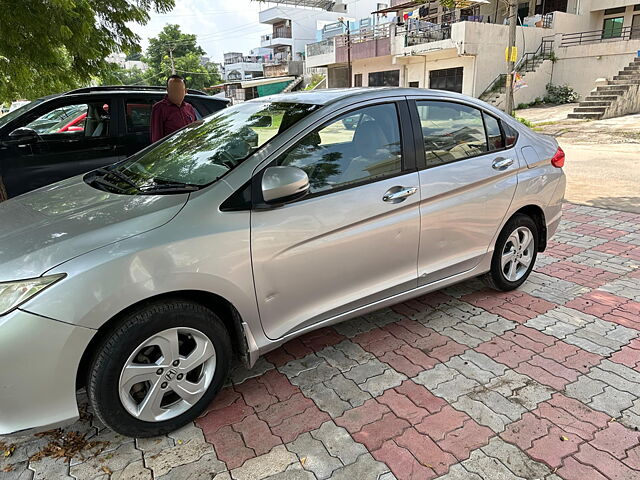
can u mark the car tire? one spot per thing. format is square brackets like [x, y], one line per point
[124, 368]
[517, 245]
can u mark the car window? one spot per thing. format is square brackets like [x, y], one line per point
[494, 134]
[510, 134]
[356, 147]
[78, 120]
[138, 114]
[451, 131]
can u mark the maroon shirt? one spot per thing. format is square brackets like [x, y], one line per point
[167, 117]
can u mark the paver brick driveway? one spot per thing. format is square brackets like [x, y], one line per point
[464, 383]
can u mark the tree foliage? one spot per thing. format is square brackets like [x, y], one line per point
[49, 46]
[186, 53]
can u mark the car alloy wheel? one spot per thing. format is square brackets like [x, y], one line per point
[167, 374]
[517, 254]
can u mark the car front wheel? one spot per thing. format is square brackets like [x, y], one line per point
[515, 254]
[159, 368]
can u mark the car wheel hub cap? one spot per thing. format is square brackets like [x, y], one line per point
[517, 254]
[167, 374]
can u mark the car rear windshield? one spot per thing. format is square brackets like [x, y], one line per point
[202, 152]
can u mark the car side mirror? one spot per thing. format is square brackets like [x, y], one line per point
[24, 135]
[284, 184]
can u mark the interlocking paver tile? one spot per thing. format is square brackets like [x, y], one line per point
[459, 384]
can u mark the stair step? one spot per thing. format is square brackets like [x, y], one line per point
[586, 116]
[629, 73]
[634, 67]
[595, 103]
[590, 109]
[602, 98]
[607, 88]
[625, 81]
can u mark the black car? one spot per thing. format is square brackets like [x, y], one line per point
[59, 136]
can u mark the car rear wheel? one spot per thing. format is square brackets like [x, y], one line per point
[159, 368]
[515, 254]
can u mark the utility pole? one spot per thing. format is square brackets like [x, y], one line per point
[173, 65]
[341, 20]
[513, 19]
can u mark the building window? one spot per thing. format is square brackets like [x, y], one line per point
[449, 79]
[357, 80]
[390, 78]
[614, 11]
[414, 84]
[636, 8]
[612, 27]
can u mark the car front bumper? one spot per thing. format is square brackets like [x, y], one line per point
[39, 360]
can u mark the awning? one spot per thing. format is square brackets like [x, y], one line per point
[412, 5]
[256, 82]
[403, 6]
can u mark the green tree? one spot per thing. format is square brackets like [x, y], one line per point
[49, 46]
[117, 75]
[174, 51]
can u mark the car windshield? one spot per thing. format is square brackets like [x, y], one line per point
[202, 152]
[5, 119]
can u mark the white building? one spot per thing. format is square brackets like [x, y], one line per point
[296, 23]
[120, 59]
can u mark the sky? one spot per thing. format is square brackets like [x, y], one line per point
[220, 26]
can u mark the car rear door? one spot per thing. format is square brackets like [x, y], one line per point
[468, 179]
[348, 243]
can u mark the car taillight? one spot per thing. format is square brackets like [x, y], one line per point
[558, 159]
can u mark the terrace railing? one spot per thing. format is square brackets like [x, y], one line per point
[320, 48]
[599, 36]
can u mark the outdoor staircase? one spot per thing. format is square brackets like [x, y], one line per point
[619, 97]
[495, 94]
[292, 85]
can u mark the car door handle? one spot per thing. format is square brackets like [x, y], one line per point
[398, 194]
[502, 163]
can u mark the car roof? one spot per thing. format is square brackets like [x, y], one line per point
[132, 89]
[327, 96]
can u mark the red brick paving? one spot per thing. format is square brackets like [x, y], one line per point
[581, 274]
[516, 306]
[609, 307]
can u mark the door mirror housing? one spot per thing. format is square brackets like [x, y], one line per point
[24, 135]
[284, 184]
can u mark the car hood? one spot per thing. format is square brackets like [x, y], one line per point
[49, 226]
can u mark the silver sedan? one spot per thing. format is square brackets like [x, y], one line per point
[142, 280]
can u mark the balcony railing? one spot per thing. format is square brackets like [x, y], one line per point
[371, 33]
[599, 36]
[282, 32]
[320, 48]
[423, 35]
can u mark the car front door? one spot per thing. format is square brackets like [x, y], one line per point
[73, 136]
[351, 241]
[468, 177]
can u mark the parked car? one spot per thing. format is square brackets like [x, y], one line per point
[143, 279]
[59, 136]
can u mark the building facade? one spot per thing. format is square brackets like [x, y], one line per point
[422, 44]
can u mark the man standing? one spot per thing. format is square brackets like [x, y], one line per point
[172, 112]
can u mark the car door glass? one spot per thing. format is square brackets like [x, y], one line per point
[494, 134]
[77, 120]
[356, 147]
[138, 114]
[451, 132]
